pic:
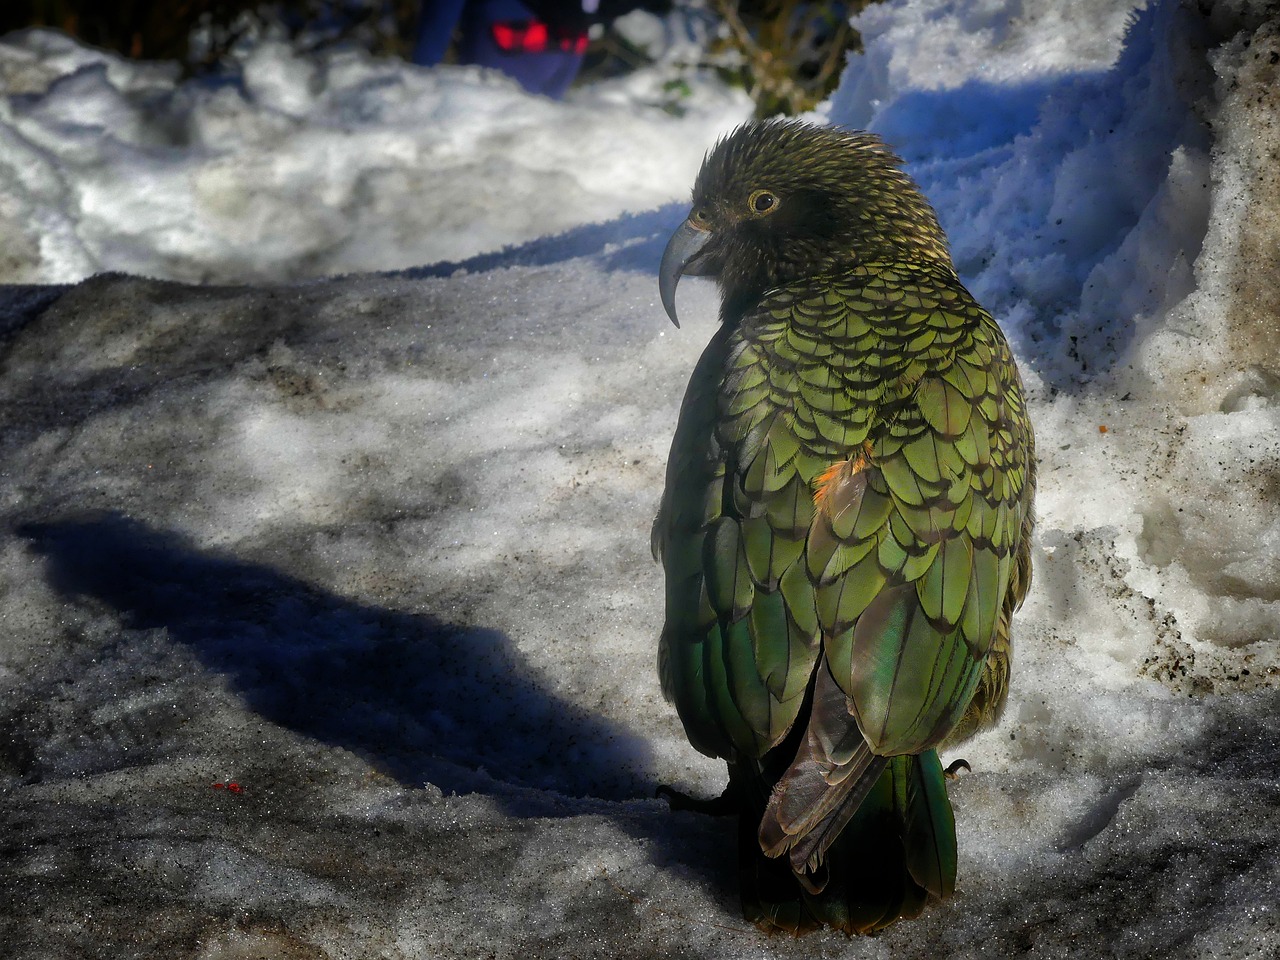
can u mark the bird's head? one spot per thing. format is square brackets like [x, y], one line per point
[780, 200]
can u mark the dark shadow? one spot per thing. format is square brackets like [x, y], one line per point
[1100, 815]
[22, 303]
[421, 699]
[632, 242]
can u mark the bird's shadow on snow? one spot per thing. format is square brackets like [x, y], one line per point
[424, 700]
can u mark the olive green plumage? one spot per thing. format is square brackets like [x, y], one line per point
[846, 523]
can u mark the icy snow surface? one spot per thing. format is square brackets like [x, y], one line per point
[375, 551]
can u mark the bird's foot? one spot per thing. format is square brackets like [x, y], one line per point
[722, 806]
[954, 767]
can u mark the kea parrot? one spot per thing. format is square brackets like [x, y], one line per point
[846, 524]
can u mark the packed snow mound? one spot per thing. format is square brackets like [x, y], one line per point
[330, 624]
[1124, 224]
[296, 167]
[1074, 201]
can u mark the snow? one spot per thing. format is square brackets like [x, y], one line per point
[329, 619]
[303, 167]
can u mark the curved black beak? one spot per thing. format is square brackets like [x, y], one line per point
[678, 259]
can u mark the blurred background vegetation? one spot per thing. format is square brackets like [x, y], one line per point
[199, 33]
[787, 54]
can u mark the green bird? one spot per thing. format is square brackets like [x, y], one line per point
[846, 524]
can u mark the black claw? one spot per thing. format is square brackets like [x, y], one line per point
[954, 768]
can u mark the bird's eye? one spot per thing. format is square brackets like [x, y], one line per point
[762, 202]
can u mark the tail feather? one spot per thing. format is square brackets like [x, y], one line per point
[824, 784]
[929, 826]
[804, 803]
[808, 848]
[881, 856]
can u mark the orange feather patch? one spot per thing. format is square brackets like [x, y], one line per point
[827, 482]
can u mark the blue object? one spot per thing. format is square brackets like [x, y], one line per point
[544, 55]
[435, 30]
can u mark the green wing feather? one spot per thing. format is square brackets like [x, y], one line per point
[846, 532]
[901, 576]
[741, 636]
[930, 826]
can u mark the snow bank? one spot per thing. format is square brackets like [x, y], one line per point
[329, 620]
[301, 167]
